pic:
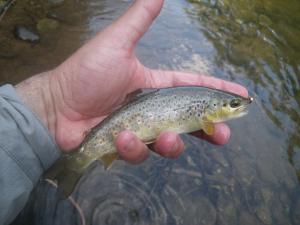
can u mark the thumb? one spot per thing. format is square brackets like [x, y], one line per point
[130, 27]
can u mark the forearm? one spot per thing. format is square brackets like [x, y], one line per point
[26, 150]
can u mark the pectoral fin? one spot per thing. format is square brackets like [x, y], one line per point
[208, 128]
[148, 142]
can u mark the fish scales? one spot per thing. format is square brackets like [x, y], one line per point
[179, 109]
[148, 116]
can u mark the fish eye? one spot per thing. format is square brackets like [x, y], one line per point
[235, 103]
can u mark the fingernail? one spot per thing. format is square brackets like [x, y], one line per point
[227, 134]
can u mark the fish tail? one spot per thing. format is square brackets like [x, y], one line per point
[65, 177]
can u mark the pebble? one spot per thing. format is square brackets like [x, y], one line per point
[25, 34]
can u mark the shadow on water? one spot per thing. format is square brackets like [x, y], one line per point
[251, 180]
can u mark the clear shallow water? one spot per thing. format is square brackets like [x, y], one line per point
[252, 180]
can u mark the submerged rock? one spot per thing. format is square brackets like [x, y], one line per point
[25, 34]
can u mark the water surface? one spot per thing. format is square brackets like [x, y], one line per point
[251, 180]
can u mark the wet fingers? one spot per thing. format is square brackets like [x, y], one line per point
[130, 148]
[169, 144]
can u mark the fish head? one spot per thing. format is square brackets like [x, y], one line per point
[226, 107]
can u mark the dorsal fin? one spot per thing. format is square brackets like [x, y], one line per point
[139, 93]
[132, 96]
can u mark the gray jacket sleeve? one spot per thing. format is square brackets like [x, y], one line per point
[26, 150]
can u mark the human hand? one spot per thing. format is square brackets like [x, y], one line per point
[83, 90]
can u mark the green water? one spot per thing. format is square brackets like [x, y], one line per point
[262, 39]
[251, 180]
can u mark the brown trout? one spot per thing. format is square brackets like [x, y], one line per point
[180, 109]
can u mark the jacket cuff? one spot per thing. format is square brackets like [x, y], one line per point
[27, 141]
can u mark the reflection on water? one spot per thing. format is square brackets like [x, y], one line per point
[262, 39]
[248, 181]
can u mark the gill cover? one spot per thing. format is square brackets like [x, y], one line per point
[223, 109]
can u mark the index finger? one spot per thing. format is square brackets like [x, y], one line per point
[160, 79]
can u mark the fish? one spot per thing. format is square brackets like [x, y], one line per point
[183, 109]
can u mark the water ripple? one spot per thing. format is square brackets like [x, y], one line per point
[122, 199]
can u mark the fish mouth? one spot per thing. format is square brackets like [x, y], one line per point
[250, 100]
[242, 108]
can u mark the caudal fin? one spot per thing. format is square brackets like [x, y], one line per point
[65, 177]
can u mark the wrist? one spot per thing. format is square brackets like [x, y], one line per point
[36, 93]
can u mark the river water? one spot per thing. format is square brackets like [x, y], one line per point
[251, 180]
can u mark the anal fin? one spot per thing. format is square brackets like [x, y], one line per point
[148, 142]
[108, 159]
